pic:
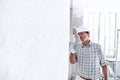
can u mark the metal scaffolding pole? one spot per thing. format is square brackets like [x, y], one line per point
[116, 55]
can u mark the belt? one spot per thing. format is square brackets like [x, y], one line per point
[85, 78]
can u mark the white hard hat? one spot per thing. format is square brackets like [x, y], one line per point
[82, 29]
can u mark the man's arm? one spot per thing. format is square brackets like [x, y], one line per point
[104, 68]
[103, 63]
[72, 58]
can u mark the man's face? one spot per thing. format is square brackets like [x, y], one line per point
[83, 36]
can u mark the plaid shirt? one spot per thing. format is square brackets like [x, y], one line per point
[89, 60]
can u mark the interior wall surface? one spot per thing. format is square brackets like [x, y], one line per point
[34, 39]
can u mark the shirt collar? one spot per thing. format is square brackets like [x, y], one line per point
[87, 45]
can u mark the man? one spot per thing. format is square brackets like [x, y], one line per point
[89, 57]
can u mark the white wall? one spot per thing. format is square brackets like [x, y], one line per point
[34, 37]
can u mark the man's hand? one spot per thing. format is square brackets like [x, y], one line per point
[72, 58]
[104, 68]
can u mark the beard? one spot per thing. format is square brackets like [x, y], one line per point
[84, 40]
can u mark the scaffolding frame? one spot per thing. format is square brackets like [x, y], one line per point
[116, 55]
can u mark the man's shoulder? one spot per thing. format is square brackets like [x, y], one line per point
[79, 45]
[95, 44]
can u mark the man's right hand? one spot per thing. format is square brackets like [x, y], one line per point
[72, 58]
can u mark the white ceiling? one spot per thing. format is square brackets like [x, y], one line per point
[97, 3]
